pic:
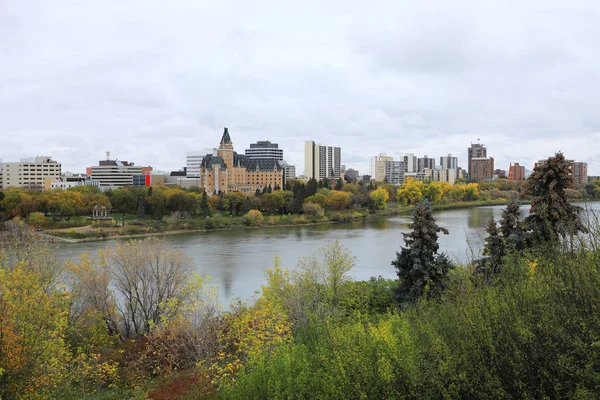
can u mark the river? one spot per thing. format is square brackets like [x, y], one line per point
[237, 259]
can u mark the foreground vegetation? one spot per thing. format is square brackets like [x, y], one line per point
[134, 322]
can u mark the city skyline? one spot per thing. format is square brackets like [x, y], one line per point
[150, 84]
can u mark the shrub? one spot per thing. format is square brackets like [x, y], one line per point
[313, 210]
[254, 218]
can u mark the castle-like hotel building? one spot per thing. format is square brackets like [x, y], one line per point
[229, 171]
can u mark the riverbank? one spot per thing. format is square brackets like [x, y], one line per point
[136, 229]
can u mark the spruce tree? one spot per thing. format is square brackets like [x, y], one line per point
[339, 184]
[204, 206]
[552, 214]
[418, 265]
[140, 209]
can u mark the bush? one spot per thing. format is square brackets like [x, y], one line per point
[313, 210]
[254, 218]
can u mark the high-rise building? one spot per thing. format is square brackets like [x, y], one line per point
[194, 159]
[322, 161]
[29, 173]
[351, 175]
[477, 150]
[516, 172]
[265, 150]
[289, 170]
[378, 167]
[579, 173]
[425, 162]
[394, 172]
[481, 169]
[410, 163]
[449, 162]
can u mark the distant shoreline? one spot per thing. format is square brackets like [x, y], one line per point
[404, 212]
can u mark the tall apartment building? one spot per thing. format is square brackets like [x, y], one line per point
[580, 176]
[322, 161]
[516, 172]
[289, 170]
[29, 173]
[476, 150]
[193, 159]
[378, 167]
[481, 169]
[425, 162]
[394, 172]
[114, 173]
[265, 150]
[351, 175]
[410, 163]
[449, 162]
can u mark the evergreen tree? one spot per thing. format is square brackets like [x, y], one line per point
[552, 214]
[140, 208]
[511, 226]
[339, 184]
[493, 250]
[149, 191]
[276, 188]
[311, 187]
[326, 183]
[258, 192]
[418, 265]
[204, 206]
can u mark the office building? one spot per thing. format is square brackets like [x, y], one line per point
[265, 150]
[29, 173]
[194, 159]
[351, 175]
[322, 161]
[476, 150]
[112, 174]
[579, 170]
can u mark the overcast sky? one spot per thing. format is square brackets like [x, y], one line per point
[150, 80]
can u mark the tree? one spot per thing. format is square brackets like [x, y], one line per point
[150, 281]
[552, 214]
[254, 218]
[311, 187]
[339, 184]
[420, 269]
[140, 208]
[411, 192]
[204, 206]
[511, 226]
[380, 197]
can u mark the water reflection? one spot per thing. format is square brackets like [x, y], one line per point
[237, 260]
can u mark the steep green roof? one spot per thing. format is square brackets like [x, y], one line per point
[226, 139]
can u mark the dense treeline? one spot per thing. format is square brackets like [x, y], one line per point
[134, 321]
[297, 197]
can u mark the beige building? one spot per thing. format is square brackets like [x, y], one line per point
[441, 175]
[229, 171]
[378, 167]
[29, 173]
[322, 161]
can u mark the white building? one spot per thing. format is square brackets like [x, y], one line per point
[394, 172]
[322, 161]
[289, 170]
[193, 159]
[29, 173]
[410, 163]
[115, 173]
[264, 149]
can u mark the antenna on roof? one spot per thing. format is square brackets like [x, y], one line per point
[107, 155]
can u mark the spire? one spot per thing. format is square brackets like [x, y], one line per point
[226, 139]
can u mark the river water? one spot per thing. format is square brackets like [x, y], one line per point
[237, 259]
